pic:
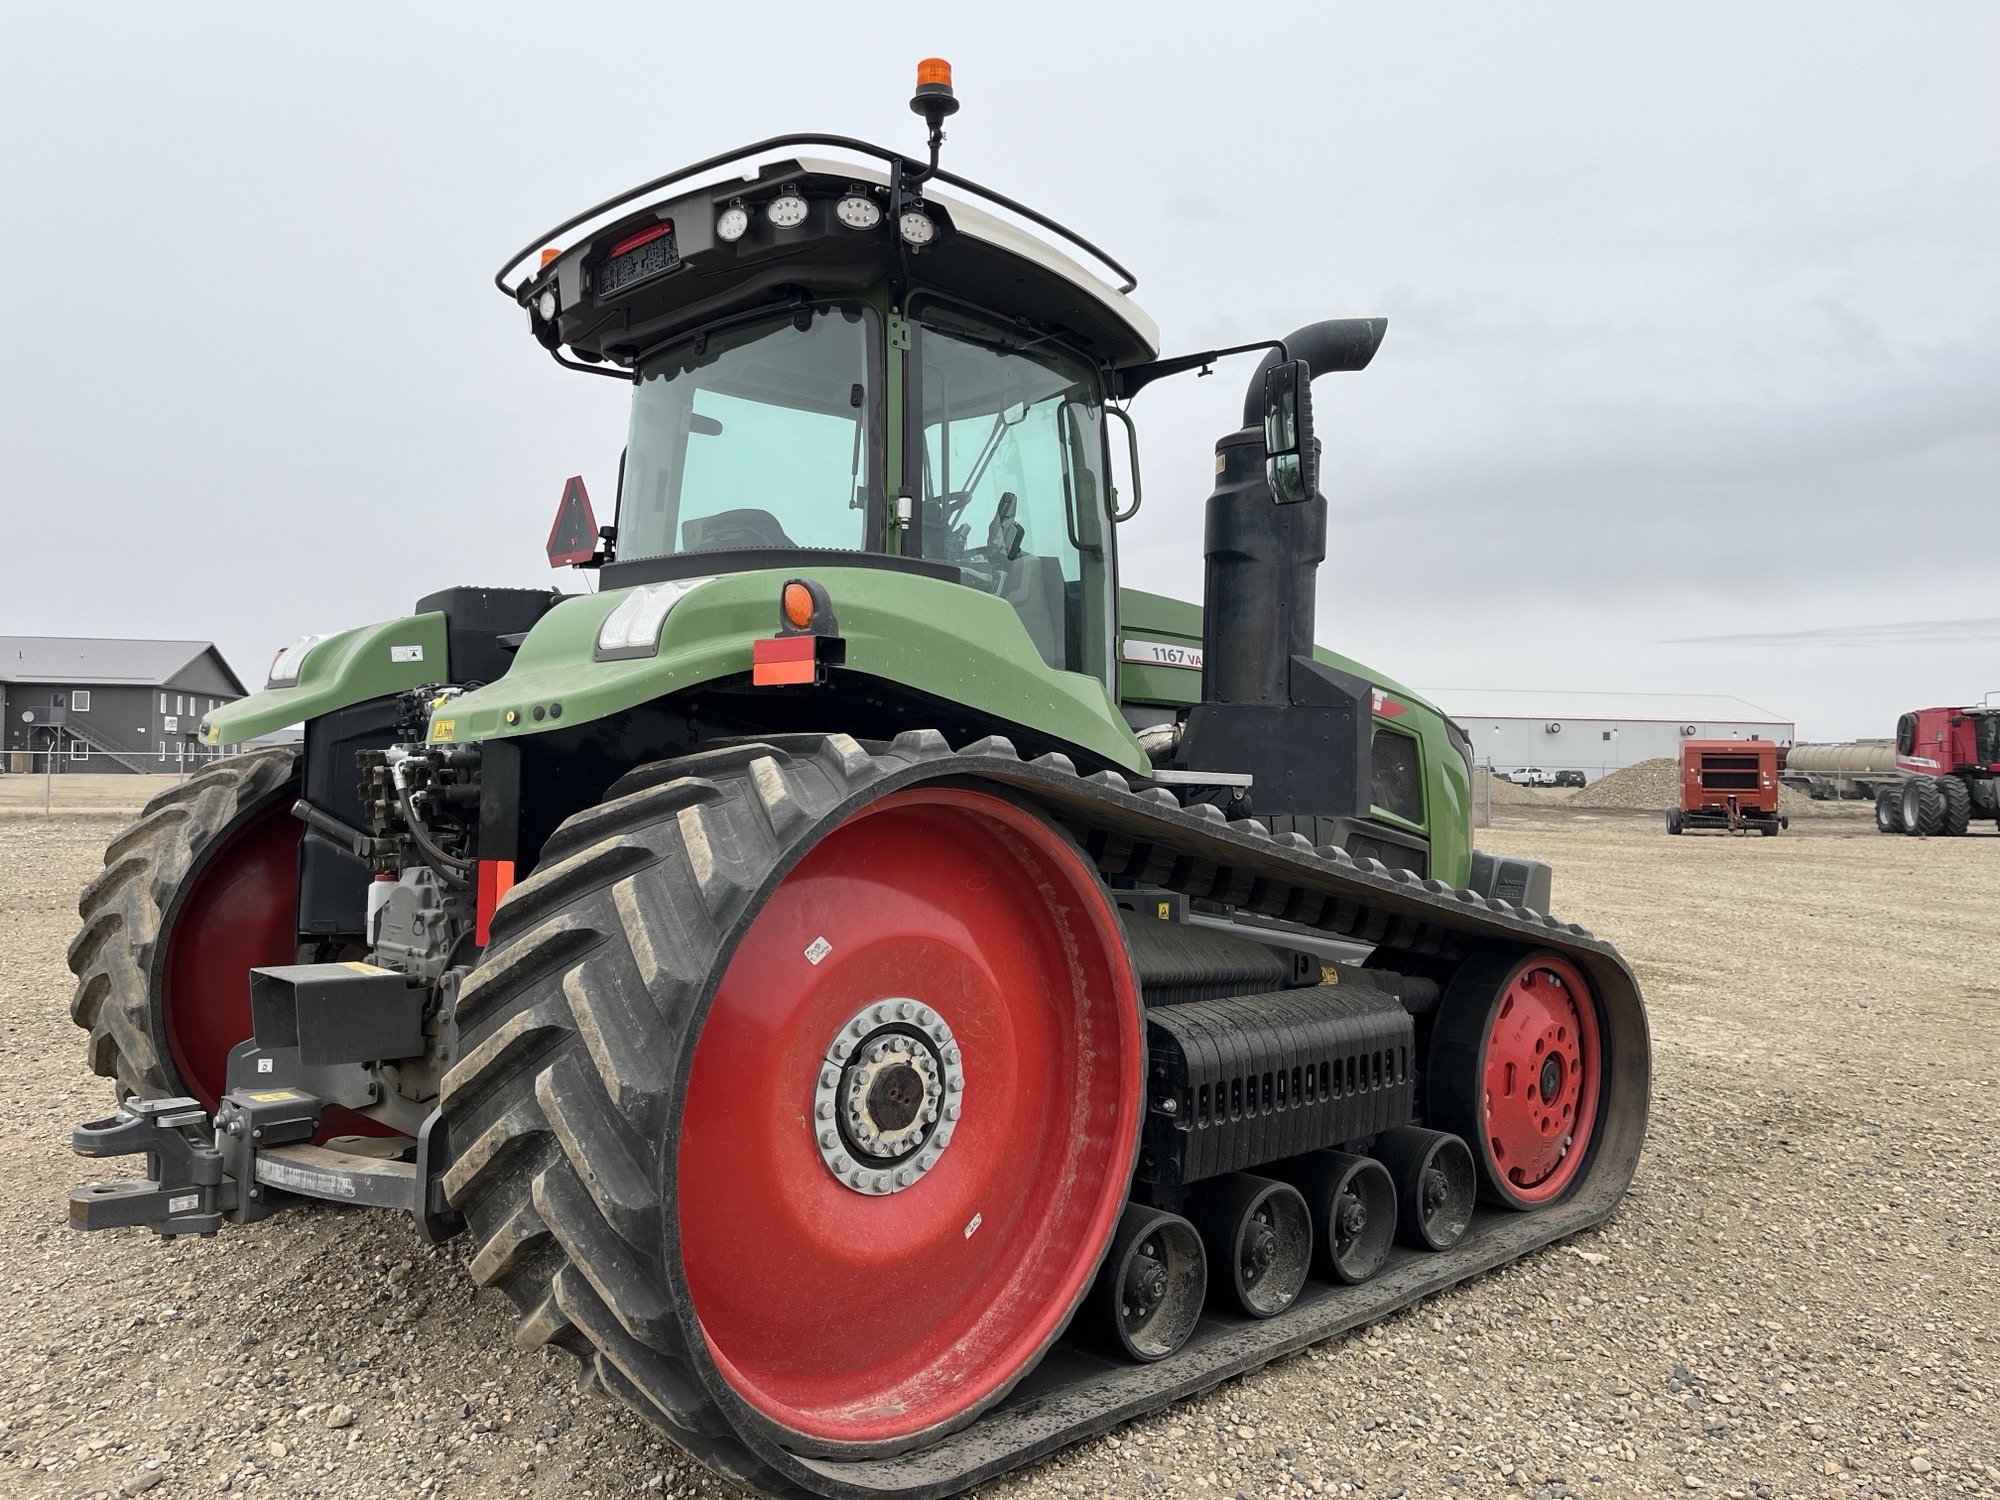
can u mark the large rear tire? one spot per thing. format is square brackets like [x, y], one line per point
[1923, 807]
[682, 1156]
[1957, 805]
[1888, 809]
[203, 887]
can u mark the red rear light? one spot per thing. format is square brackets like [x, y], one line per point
[643, 237]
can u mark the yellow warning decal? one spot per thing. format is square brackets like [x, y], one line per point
[1328, 974]
[443, 730]
[360, 968]
[1166, 911]
[275, 1096]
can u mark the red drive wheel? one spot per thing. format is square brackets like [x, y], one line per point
[1517, 1070]
[910, 1121]
[237, 911]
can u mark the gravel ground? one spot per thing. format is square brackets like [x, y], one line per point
[1801, 1297]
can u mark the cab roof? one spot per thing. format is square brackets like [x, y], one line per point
[638, 277]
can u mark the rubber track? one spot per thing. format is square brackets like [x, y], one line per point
[579, 1026]
[119, 952]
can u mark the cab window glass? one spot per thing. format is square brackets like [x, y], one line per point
[754, 436]
[1013, 478]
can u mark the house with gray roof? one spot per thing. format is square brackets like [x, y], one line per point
[74, 703]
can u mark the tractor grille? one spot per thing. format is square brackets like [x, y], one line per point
[1255, 1078]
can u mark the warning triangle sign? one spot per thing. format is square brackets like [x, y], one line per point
[573, 539]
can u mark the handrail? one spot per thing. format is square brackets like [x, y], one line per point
[915, 171]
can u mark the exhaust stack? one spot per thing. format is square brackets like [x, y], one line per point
[1299, 728]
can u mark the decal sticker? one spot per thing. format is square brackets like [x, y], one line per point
[303, 1179]
[443, 730]
[816, 950]
[977, 1220]
[1387, 707]
[406, 653]
[185, 1203]
[1160, 654]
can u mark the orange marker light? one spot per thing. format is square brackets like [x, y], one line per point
[550, 252]
[933, 70]
[798, 605]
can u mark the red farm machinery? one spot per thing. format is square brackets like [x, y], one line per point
[1729, 785]
[1949, 759]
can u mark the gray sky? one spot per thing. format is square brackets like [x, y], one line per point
[1692, 380]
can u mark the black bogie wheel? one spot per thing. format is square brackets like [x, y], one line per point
[1888, 809]
[1675, 823]
[1148, 1294]
[1258, 1234]
[1923, 807]
[1353, 1203]
[1436, 1184]
[1957, 805]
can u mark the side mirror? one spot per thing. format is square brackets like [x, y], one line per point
[1291, 461]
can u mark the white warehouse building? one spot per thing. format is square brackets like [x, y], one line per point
[1594, 733]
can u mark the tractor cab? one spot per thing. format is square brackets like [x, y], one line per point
[847, 363]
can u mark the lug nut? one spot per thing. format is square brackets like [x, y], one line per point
[951, 1112]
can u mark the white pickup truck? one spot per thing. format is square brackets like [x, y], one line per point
[1531, 776]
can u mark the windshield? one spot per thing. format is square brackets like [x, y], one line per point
[760, 435]
[1013, 478]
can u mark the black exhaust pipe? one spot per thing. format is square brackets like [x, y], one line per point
[1259, 611]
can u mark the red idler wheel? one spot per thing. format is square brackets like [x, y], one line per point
[1517, 1070]
[910, 1121]
[237, 912]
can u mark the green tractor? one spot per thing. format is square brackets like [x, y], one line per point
[888, 999]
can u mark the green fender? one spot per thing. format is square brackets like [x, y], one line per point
[370, 661]
[943, 639]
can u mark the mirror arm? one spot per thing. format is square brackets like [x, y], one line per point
[1132, 447]
[1128, 382]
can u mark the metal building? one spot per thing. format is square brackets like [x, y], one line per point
[1512, 728]
[71, 703]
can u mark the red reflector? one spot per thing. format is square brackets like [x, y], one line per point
[496, 879]
[784, 659]
[643, 237]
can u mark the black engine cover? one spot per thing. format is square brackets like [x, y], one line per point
[1256, 1078]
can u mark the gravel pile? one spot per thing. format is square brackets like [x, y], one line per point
[1650, 784]
[1800, 1298]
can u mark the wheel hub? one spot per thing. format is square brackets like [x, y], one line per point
[1552, 1077]
[1260, 1247]
[1145, 1283]
[888, 1096]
